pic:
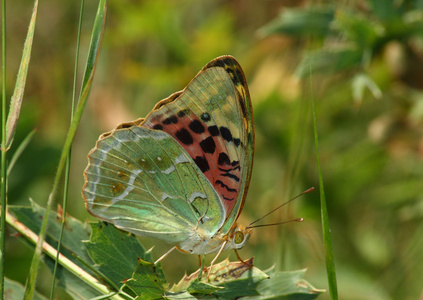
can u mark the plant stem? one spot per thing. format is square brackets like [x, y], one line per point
[68, 161]
[63, 260]
[3, 154]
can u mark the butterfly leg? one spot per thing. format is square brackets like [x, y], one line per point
[199, 260]
[202, 269]
[164, 255]
[215, 258]
[240, 259]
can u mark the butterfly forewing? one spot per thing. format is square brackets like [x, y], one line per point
[210, 120]
[144, 182]
[237, 76]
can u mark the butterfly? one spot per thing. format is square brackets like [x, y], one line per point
[181, 174]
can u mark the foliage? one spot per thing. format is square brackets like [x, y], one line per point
[350, 38]
[377, 45]
[126, 268]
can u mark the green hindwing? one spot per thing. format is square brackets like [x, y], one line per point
[144, 182]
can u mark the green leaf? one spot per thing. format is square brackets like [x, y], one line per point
[14, 290]
[238, 279]
[71, 283]
[32, 216]
[227, 280]
[286, 285]
[148, 281]
[359, 29]
[115, 252]
[329, 61]
[72, 245]
[386, 10]
[201, 287]
[296, 22]
[179, 296]
[17, 97]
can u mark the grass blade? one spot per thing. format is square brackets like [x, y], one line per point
[17, 97]
[88, 77]
[68, 161]
[330, 264]
[9, 126]
[3, 152]
[19, 151]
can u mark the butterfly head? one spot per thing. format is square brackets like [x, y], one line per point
[239, 236]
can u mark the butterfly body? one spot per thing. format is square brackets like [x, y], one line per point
[181, 174]
[199, 244]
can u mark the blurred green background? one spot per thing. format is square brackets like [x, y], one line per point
[361, 62]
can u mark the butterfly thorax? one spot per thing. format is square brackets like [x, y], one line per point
[200, 244]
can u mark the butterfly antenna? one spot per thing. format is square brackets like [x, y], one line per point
[296, 220]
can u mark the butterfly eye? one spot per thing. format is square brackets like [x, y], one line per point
[239, 237]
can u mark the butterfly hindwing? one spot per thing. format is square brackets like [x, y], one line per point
[144, 182]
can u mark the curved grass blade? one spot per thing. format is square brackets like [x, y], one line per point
[19, 150]
[88, 77]
[360, 83]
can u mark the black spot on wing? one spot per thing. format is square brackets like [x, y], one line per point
[235, 163]
[225, 186]
[231, 73]
[242, 103]
[196, 127]
[184, 136]
[202, 163]
[239, 76]
[158, 127]
[230, 175]
[214, 131]
[237, 142]
[208, 145]
[205, 117]
[223, 159]
[226, 133]
[232, 67]
[182, 113]
[170, 120]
